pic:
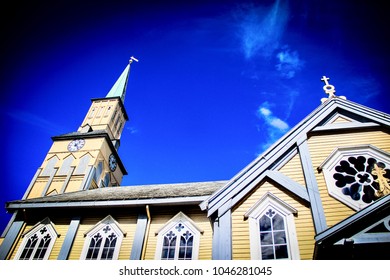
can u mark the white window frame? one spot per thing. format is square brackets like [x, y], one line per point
[98, 228]
[342, 153]
[36, 230]
[270, 201]
[171, 225]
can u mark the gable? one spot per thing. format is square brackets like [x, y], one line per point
[320, 121]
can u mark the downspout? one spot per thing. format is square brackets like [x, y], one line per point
[146, 233]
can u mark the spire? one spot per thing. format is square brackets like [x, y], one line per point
[119, 88]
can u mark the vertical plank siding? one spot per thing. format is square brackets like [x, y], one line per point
[320, 148]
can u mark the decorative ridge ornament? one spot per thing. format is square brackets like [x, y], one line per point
[329, 89]
[384, 188]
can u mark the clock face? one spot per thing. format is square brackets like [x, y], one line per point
[76, 145]
[112, 162]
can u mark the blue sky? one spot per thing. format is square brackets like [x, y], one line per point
[217, 82]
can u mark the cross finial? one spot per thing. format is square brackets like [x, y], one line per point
[328, 88]
[132, 58]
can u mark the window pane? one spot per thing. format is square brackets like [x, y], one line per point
[265, 223]
[267, 252]
[266, 238]
[280, 237]
[42, 248]
[278, 222]
[281, 252]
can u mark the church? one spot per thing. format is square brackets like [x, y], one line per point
[319, 192]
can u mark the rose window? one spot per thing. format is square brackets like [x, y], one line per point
[355, 178]
[352, 174]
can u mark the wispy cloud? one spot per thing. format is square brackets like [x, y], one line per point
[261, 28]
[275, 126]
[366, 87]
[288, 63]
[35, 121]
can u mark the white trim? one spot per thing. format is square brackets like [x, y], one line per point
[343, 153]
[170, 225]
[50, 230]
[269, 200]
[114, 226]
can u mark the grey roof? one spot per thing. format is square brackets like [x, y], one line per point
[82, 134]
[182, 191]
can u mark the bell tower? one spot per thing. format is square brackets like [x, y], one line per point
[87, 158]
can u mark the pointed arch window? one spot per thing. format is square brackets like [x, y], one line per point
[178, 239]
[49, 169]
[37, 242]
[83, 163]
[65, 168]
[272, 229]
[103, 241]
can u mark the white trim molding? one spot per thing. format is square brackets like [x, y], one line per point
[103, 241]
[348, 174]
[178, 239]
[268, 204]
[38, 242]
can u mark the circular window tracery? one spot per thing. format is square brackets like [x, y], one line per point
[355, 178]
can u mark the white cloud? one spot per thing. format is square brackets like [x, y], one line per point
[289, 63]
[275, 126]
[261, 28]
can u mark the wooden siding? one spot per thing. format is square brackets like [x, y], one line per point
[60, 226]
[126, 221]
[240, 227]
[320, 148]
[293, 170]
[341, 120]
[159, 218]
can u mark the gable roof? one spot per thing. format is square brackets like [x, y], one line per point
[351, 225]
[162, 194]
[316, 122]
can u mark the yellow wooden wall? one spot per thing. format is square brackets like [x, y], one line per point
[320, 148]
[240, 227]
[61, 227]
[127, 222]
[160, 216]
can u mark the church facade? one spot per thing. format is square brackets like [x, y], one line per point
[319, 192]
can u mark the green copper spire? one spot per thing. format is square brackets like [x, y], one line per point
[119, 88]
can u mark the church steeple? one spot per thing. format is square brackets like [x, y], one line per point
[120, 86]
[108, 114]
[87, 158]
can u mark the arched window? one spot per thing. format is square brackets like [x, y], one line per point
[83, 163]
[272, 229]
[37, 242]
[103, 241]
[178, 239]
[49, 166]
[65, 168]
